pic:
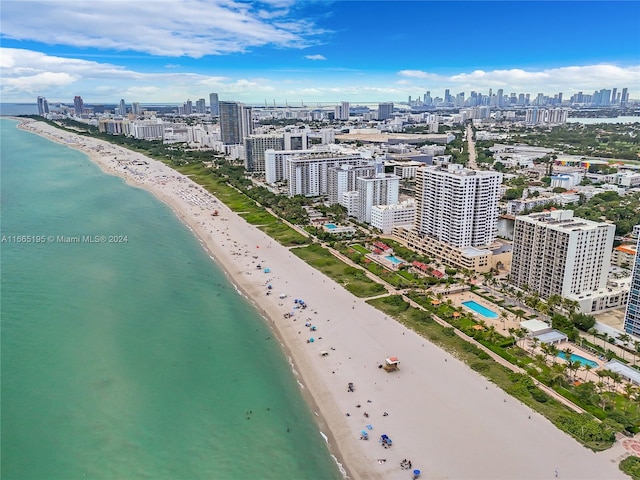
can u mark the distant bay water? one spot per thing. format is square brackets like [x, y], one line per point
[135, 359]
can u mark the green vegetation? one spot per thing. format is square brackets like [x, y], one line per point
[353, 279]
[620, 141]
[584, 427]
[602, 400]
[631, 466]
[609, 206]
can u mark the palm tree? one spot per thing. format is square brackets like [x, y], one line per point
[587, 368]
[534, 343]
[553, 350]
[545, 349]
[628, 392]
[600, 386]
[625, 339]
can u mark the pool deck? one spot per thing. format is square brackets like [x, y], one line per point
[502, 324]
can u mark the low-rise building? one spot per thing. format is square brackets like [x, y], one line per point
[479, 260]
[385, 217]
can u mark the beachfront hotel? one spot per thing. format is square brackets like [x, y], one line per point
[255, 146]
[632, 316]
[555, 253]
[379, 189]
[343, 178]
[458, 206]
[456, 218]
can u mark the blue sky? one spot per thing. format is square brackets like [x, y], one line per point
[154, 51]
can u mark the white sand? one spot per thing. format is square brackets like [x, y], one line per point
[449, 421]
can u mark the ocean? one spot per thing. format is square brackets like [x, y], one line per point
[126, 353]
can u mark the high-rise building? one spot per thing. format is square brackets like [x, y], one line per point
[632, 316]
[201, 106]
[296, 139]
[122, 107]
[614, 94]
[188, 107]
[625, 97]
[500, 95]
[342, 111]
[136, 109]
[213, 102]
[43, 106]
[379, 189]
[458, 206]
[342, 179]
[307, 172]
[256, 145]
[385, 110]
[557, 254]
[235, 122]
[78, 105]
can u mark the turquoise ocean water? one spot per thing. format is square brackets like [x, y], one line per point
[131, 360]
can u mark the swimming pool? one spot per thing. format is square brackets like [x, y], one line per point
[393, 259]
[330, 226]
[476, 307]
[579, 359]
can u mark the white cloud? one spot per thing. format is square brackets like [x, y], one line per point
[415, 74]
[191, 28]
[26, 74]
[571, 79]
[315, 57]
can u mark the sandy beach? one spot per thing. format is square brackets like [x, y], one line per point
[449, 421]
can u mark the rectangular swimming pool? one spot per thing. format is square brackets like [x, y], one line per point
[330, 226]
[579, 359]
[476, 307]
[393, 259]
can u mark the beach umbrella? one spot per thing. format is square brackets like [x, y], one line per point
[312, 339]
[416, 473]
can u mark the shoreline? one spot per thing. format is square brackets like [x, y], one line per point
[450, 421]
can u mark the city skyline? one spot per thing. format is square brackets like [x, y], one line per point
[313, 51]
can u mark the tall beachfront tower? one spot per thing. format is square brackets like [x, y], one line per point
[78, 105]
[457, 205]
[122, 107]
[557, 254]
[379, 189]
[215, 107]
[256, 145]
[632, 317]
[43, 106]
[235, 122]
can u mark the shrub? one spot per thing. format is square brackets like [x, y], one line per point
[479, 366]
[539, 396]
[631, 466]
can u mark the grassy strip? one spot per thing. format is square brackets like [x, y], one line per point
[243, 205]
[587, 430]
[353, 279]
[631, 466]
